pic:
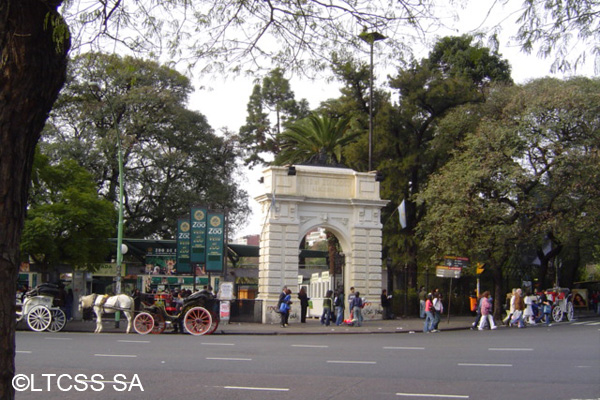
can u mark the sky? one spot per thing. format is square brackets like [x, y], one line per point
[224, 102]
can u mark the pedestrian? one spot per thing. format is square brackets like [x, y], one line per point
[486, 312]
[529, 313]
[386, 304]
[546, 307]
[438, 309]
[511, 307]
[351, 297]
[477, 313]
[284, 308]
[429, 311]
[519, 306]
[338, 303]
[281, 297]
[357, 305]
[422, 299]
[303, 297]
[327, 303]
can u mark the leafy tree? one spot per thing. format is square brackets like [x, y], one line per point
[67, 221]
[273, 97]
[411, 145]
[172, 158]
[526, 174]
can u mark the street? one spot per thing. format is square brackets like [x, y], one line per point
[560, 362]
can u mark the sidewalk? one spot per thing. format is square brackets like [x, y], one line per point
[311, 327]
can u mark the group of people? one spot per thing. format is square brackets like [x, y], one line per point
[522, 308]
[333, 307]
[432, 309]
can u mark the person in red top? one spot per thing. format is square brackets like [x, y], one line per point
[429, 313]
[486, 312]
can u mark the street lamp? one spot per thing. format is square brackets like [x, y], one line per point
[371, 38]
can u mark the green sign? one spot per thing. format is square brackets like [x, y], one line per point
[198, 236]
[183, 246]
[215, 240]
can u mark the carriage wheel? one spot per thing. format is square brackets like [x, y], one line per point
[59, 320]
[570, 311]
[39, 318]
[197, 321]
[159, 324]
[143, 323]
[214, 325]
[557, 313]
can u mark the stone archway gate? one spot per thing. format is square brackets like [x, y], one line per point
[300, 198]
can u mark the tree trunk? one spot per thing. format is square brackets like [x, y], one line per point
[32, 73]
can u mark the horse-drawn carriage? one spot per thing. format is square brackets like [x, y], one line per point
[40, 311]
[197, 315]
[562, 300]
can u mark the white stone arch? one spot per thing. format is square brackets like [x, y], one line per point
[345, 201]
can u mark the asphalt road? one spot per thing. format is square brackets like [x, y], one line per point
[560, 362]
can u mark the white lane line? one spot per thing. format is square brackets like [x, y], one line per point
[257, 388]
[351, 362]
[228, 359]
[443, 396]
[133, 341]
[483, 365]
[311, 346]
[116, 355]
[58, 338]
[218, 344]
[579, 323]
[404, 348]
[23, 352]
[510, 349]
[594, 324]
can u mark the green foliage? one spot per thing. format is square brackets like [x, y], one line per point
[528, 173]
[316, 139]
[172, 158]
[274, 97]
[67, 221]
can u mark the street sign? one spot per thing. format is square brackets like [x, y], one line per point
[443, 271]
[451, 261]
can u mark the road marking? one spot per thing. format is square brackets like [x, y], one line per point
[23, 351]
[351, 362]
[257, 388]
[228, 359]
[404, 348]
[509, 349]
[483, 365]
[315, 346]
[58, 338]
[579, 323]
[594, 323]
[133, 341]
[218, 344]
[444, 396]
[116, 355]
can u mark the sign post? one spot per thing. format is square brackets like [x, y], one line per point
[452, 269]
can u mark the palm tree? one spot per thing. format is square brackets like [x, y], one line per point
[316, 140]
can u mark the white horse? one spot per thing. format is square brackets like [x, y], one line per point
[108, 305]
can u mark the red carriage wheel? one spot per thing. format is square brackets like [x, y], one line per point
[197, 321]
[159, 324]
[143, 323]
[214, 325]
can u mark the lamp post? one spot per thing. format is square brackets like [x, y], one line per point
[371, 38]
